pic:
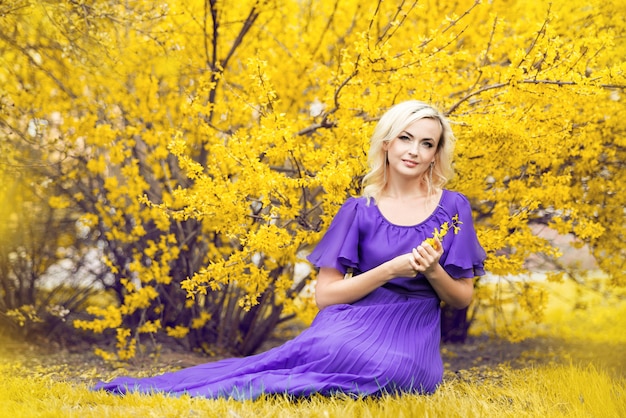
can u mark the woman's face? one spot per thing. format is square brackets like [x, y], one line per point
[412, 151]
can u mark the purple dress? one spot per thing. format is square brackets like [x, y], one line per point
[387, 342]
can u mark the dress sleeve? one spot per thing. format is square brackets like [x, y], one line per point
[465, 256]
[339, 247]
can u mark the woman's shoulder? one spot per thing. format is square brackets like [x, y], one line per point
[452, 196]
[358, 202]
[360, 206]
[352, 205]
[455, 202]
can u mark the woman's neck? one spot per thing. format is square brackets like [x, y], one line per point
[407, 190]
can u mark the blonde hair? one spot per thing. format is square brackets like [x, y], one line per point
[390, 125]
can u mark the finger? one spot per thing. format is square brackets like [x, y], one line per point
[425, 250]
[425, 257]
[438, 246]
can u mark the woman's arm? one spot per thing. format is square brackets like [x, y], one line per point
[455, 292]
[331, 288]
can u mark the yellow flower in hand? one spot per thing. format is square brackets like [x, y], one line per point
[441, 232]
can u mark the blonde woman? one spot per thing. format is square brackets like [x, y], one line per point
[378, 331]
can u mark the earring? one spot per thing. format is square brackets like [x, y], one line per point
[385, 170]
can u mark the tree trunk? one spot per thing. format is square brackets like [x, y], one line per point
[454, 325]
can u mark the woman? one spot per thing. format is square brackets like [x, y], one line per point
[378, 331]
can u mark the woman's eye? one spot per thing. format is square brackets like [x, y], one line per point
[405, 138]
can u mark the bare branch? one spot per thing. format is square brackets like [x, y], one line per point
[452, 23]
[450, 41]
[371, 24]
[527, 81]
[329, 22]
[212, 10]
[468, 11]
[324, 124]
[540, 33]
[247, 25]
[385, 37]
[34, 63]
[493, 31]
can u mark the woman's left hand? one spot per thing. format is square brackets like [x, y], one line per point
[426, 258]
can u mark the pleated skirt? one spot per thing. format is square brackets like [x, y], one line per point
[384, 343]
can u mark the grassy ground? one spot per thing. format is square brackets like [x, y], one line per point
[574, 366]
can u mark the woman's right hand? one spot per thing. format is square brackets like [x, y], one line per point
[404, 265]
[331, 288]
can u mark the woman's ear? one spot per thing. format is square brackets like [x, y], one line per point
[385, 145]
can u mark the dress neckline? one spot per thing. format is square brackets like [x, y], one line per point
[429, 217]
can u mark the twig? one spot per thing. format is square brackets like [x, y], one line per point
[527, 81]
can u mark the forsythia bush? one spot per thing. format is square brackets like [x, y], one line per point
[207, 145]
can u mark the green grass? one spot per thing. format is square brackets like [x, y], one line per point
[575, 368]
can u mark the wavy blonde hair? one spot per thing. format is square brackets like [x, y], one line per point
[390, 125]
